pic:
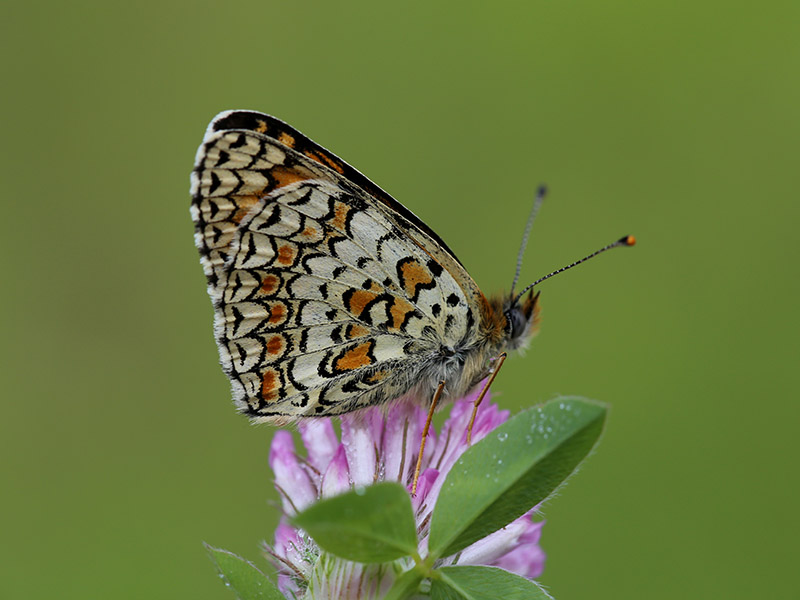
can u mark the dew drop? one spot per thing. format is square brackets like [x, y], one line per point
[360, 490]
[502, 437]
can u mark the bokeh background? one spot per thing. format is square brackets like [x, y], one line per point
[678, 122]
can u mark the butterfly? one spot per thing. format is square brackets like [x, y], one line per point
[329, 295]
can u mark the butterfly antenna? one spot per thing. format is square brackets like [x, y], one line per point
[541, 192]
[627, 240]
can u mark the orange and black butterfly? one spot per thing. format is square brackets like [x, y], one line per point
[330, 295]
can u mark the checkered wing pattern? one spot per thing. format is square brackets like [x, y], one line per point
[328, 294]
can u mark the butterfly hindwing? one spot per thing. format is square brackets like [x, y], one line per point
[325, 312]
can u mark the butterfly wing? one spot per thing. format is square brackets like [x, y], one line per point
[326, 298]
[288, 136]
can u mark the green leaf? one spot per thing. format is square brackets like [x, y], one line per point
[246, 581]
[405, 586]
[369, 525]
[512, 470]
[483, 583]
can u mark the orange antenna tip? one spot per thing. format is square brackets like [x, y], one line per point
[628, 240]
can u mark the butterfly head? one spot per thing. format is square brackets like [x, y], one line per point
[522, 319]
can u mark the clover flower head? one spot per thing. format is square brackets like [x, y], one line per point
[382, 445]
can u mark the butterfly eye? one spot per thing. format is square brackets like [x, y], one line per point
[516, 322]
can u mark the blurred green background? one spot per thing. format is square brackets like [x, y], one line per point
[678, 122]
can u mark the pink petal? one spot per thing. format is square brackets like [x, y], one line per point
[494, 545]
[287, 586]
[489, 417]
[526, 560]
[533, 533]
[287, 541]
[424, 485]
[382, 444]
[404, 424]
[452, 442]
[453, 439]
[449, 441]
[291, 479]
[289, 546]
[320, 441]
[336, 479]
[361, 438]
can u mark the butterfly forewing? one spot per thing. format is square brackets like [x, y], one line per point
[288, 136]
[326, 298]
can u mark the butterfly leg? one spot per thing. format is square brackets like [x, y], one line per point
[434, 402]
[500, 360]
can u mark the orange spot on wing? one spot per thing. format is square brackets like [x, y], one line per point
[285, 138]
[269, 284]
[262, 126]
[355, 358]
[275, 345]
[269, 386]
[277, 313]
[413, 275]
[339, 220]
[377, 376]
[284, 176]
[286, 255]
[326, 160]
[244, 205]
[359, 300]
[398, 311]
[356, 331]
